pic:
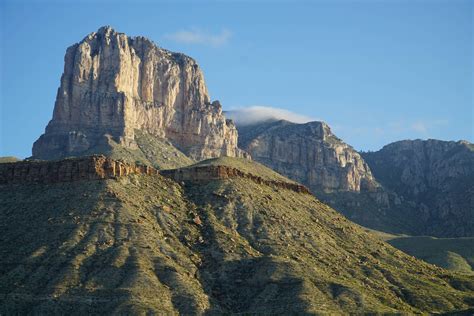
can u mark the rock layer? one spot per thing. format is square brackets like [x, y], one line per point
[113, 85]
[101, 167]
[75, 169]
[308, 153]
[200, 174]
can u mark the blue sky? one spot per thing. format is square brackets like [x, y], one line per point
[376, 71]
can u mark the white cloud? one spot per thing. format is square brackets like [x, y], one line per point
[255, 114]
[197, 36]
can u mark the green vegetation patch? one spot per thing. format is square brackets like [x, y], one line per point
[152, 151]
[144, 244]
[451, 253]
[245, 165]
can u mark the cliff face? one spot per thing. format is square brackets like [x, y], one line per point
[308, 153]
[113, 85]
[205, 174]
[83, 168]
[100, 167]
[413, 187]
[436, 177]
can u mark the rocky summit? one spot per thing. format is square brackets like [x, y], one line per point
[114, 85]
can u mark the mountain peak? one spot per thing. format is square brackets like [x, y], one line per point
[113, 85]
[308, 153]
[106, 29]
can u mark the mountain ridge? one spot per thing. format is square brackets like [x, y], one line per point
[437, 179]
[310, 154]
[229, 245]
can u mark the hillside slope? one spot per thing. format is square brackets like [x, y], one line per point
[151, 150]
[456, 254]
[144, 243]
[8, 159]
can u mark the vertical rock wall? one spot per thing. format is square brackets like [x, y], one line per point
[114, 84]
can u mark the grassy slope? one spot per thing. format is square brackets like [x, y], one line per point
[456, 254]
[131, 246]
[98, 247]
[151, 150]
[245, 165]
[360, 207]
[315, 259]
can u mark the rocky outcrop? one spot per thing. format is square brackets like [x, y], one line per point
[209, 173]
[101, 167]
[308, 153]
[67, 170]
[434, 179]
[412, 187]
[113, 85]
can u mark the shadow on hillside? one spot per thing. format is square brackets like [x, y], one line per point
[39, 241]
[236, 281]
[252, 285]
[247, 284]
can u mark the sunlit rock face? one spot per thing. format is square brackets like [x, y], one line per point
[309, 153]
[114, 84]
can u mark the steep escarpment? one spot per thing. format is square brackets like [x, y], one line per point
[102, 167]
[73, 169]
[204, 174]
[434, 179]
[114, 85]
[308, 153]
[144, 244]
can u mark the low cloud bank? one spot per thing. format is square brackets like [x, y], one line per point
[255, 114]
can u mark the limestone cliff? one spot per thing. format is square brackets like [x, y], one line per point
[412, 187]
[113, 85]
[435, 178]
[205, 174]
[308, 153]
[68, 170]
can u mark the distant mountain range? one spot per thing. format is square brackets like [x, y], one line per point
[413, 187]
